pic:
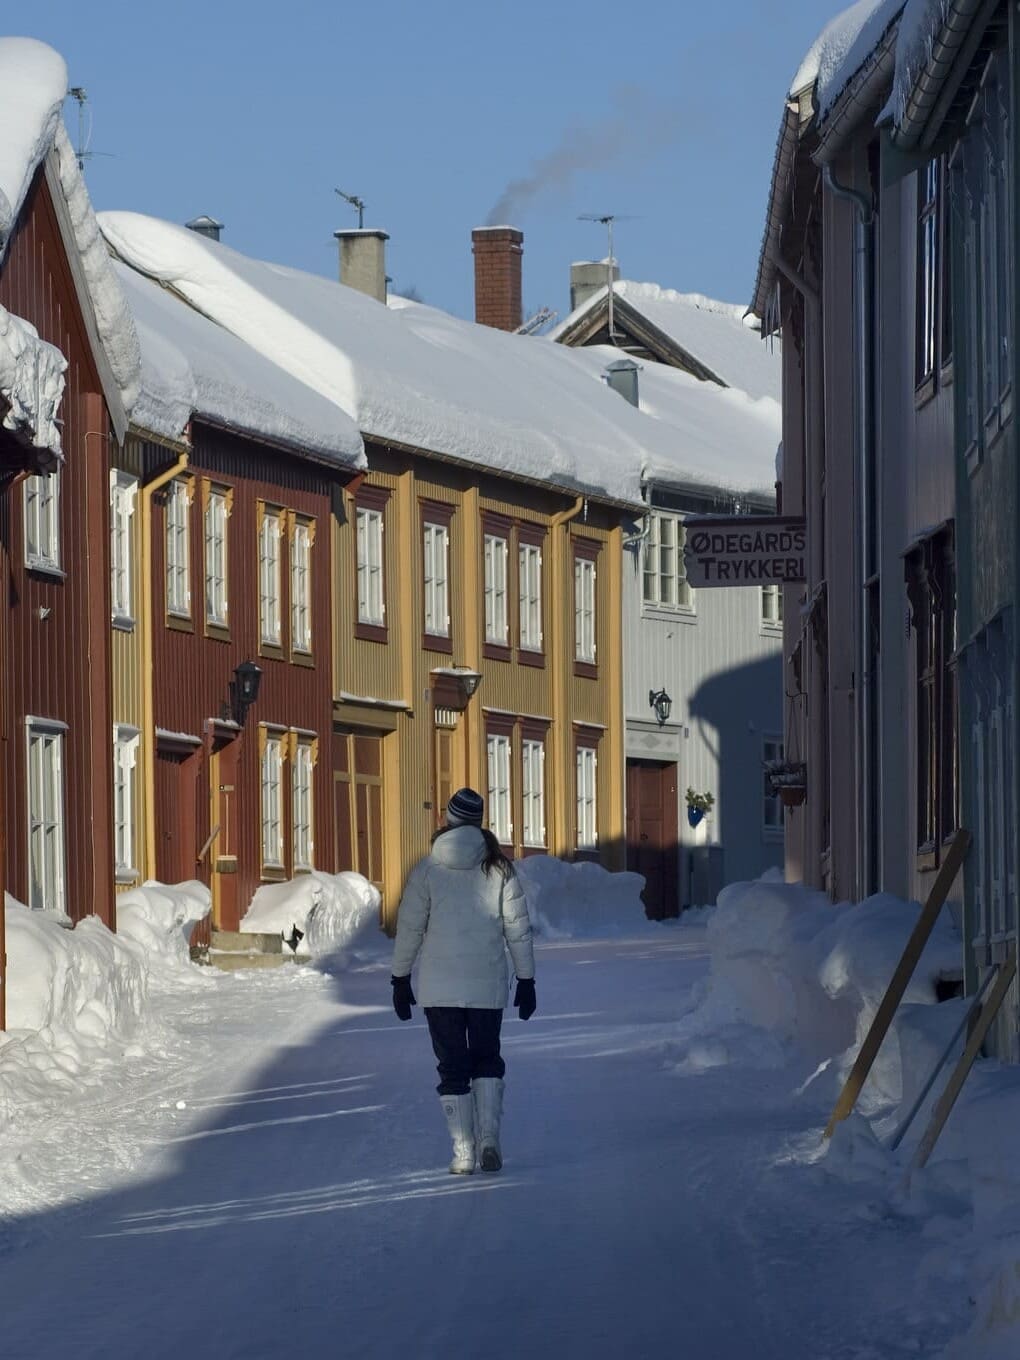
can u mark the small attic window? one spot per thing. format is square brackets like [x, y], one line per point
[622, 376]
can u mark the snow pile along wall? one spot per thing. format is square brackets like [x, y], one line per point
[160, 919]
[336, 913]
[567, 901]
[787, 961]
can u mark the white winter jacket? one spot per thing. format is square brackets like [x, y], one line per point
[461, 922]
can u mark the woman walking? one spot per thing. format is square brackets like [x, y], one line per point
[462, 909]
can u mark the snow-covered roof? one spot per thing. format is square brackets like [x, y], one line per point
[842, 48]
[191, 366]
[710, 438]
[715, 334]
[33, 86]
[412, 375]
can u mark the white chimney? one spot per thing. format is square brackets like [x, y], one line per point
[587, 277]
[363, 260]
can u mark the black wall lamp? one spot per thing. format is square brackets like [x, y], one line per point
[244, 690]
[662, 703]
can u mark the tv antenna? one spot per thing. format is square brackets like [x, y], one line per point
[83, 154]
[355, 202]
[607, 220]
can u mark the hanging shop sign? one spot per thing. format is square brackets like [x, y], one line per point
[745, 550]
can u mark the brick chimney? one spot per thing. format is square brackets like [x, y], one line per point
[497, 252]
[363, 260]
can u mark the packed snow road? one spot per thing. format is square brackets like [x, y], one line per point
[299, 1204]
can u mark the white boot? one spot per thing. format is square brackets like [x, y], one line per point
[488, 1094]
[460, 1119]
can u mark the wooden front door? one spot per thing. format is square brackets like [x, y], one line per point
[176, 816]
[652, 841]
[358, 804]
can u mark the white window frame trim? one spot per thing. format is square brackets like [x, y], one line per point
[371, 587]
[48, 727]
[497, 620]
[274, 737]
[271, 576]
[302, 862]
[301, 608]
[587, 755]
[123, 494]
[217, 609]
[532, 796]
[585, 619]
[500, 800]
[529, 566]
[47, 557]
[436, 551]
[178, 603]
[126, 741]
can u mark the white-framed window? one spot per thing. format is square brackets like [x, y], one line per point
[125, 755]
[178, 550]
[500, 816]
[371, 601]
[272, 800]
[123, 492]
[436, 547]
[664, 573]
[497, 626]
[530, 570]
[772, 605]
[46, 853]
[301, 586]
[270, 576]
[584, 609]
[587, 798]
[302, 805]
[533, 791]
[772, 806]
[42, 521]
[217, 509]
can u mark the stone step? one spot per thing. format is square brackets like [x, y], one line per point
[245, 942]
[231, 961]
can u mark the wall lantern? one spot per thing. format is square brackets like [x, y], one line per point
[244, 690]
[662, 703]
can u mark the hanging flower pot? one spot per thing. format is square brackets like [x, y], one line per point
[787, 779]
[699, 805]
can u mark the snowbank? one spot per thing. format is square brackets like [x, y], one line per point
[160, 919]
[810, 974]
[572, 901]
[337, 914]
[76, 996]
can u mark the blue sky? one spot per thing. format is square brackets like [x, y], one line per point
[666, 110]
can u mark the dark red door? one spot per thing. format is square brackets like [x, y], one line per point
[652, 834]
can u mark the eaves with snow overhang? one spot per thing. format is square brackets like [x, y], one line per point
[941, 43]
[763, 300]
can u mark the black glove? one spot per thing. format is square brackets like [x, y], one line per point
[524, 998]
[403, 997]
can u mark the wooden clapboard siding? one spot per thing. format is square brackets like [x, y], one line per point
[193, 669]
[57, 657]
[421, 762]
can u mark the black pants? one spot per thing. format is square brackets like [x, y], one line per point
[466, 1044]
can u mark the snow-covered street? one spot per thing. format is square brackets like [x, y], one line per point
[299, 1203]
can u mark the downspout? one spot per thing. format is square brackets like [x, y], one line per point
[809, 831]
[561, 671]
[148, 609]
[866, 757]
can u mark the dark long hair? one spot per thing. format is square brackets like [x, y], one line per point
[494, 857]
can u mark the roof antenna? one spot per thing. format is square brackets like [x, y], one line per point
[79, 93]
[355, 202]
[607, 220]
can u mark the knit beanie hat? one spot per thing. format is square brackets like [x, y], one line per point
[465, 806]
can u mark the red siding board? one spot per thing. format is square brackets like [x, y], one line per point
[57, 648]
[193, 671]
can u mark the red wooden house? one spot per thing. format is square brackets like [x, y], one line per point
[57, 294]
